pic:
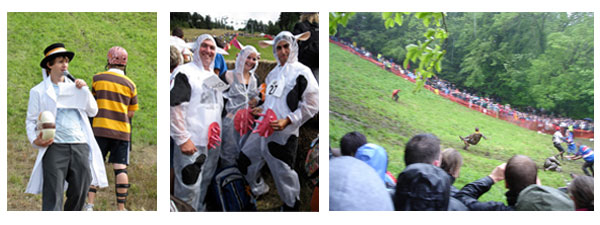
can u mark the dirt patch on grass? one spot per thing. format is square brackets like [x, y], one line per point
[142, 177]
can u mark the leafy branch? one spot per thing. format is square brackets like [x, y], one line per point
[428, 52]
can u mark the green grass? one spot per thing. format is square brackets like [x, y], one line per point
[360, 100]
[89, 35]
[265, 53]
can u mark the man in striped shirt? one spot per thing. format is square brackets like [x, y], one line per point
[587, 154]
[116, 95]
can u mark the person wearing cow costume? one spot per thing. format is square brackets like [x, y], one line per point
[242, 98]
[196, 104]
[292, 98]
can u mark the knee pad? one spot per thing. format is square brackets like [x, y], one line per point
[285, 153]
[243, 163]
[189, 173]
[93, 190]
[295, 95]
[119, 171]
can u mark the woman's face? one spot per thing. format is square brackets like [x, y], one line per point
[250, 61]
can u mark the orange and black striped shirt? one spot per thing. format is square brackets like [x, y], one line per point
[116, 95]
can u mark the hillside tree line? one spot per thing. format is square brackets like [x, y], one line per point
[542, 60]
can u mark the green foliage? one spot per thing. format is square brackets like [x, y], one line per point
[360, 100]
[521, 59]
[525, 59]
[427, 53]
[336, 18]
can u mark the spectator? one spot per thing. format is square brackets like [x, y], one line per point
[424, 187]
[177, 40]
[308, 53]
[581, 190]
[175, 58]
[543, 198]
[351, 142]
[293, 97]
[520, 174]
[355, 186]
[451, 163]
[376, 157]
[220, 66]
[242, 98]
[195, 124]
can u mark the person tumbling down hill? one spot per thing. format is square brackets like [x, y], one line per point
[472, 139]
[552, 164]
[395, 94]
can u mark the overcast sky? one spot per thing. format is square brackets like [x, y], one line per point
[240, 17]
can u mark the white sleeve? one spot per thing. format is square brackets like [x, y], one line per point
[179, 132]
[33, 111]
[91, 107]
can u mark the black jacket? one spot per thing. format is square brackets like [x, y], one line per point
[308, 53]
[469, 194]
[424, 187]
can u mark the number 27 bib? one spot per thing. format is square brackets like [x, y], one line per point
[275, 88]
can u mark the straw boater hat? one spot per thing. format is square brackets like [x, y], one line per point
[54, 50]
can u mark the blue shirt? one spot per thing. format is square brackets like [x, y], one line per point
[68, 124]
[586, 153]
[220, 64]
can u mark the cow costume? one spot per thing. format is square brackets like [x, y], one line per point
[196, 104]
[239, 95]
[292, 93]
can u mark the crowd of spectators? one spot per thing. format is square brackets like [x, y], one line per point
[546, 120]
[426, 183]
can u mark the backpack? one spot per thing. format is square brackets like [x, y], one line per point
[311, 165]
[231, 191]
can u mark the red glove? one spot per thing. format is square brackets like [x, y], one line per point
[264, 128]
[243, 121]
[214, 133]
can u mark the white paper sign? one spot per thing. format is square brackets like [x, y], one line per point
[72, 97]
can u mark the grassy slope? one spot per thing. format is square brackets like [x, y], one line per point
[89, 35]
[360, 99]
[265, 53]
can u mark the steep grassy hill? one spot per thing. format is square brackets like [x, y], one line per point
[265, 53]
[360, 100]
[89, 35]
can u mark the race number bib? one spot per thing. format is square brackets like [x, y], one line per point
[275, 88]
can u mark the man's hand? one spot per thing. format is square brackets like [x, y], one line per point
[39, 142]
[498, 173]
[256, 111]
[79, 83]
[280, 124]
[188, 148]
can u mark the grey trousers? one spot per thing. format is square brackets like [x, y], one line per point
[65, 162]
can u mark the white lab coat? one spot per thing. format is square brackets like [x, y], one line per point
[43, 98]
